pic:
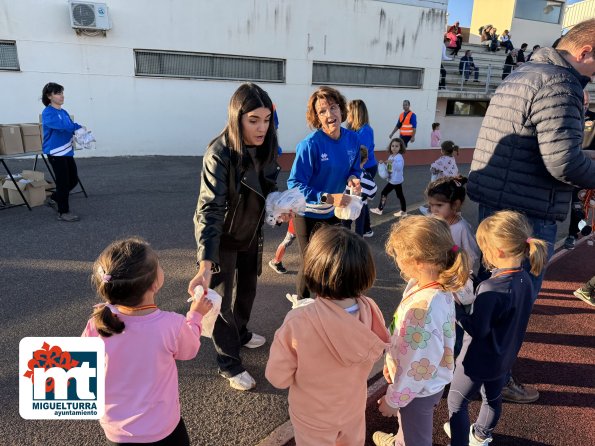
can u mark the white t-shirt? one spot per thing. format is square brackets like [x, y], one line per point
[462, 234]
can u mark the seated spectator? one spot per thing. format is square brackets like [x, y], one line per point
[493, 46]
[442, 82]
[455, 31]
[520, 57]
[506, 42]
[509, 64]
[466, 66]
[484, 33]
[535, 48]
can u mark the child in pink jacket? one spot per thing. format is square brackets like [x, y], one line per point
[142, 344]
[324, 351]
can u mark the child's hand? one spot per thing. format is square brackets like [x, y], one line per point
[386, 374]
[202, 304]
[385, 409]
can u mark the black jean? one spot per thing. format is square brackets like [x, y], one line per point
[366, 210]
[442, 82]
[236, 283]
[304, 228]
[67, 178]
[398, 188]
[576, 214]
[179, 437]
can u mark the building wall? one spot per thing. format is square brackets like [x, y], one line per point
[578, 12]
[462, 130]
[137, 115]
[534, 33]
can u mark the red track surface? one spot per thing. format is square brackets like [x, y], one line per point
[557, 357]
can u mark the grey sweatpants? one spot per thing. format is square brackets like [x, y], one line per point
[416, 421]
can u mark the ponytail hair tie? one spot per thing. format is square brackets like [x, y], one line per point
[105, 278]
[455, 248]
[528, 240]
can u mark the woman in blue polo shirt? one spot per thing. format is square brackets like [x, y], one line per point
[326, 161]
[58, 130]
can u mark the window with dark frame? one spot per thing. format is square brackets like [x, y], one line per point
[9, 59]
[359, 75]
[456, 107]
[187, 65]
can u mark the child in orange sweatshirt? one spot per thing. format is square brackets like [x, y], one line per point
[324, 351]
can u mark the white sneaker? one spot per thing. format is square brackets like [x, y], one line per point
[400, 214]
[376, 211]
[242, 381]
[424, 210]
[369, 234]
[474, 441]
[255, 341]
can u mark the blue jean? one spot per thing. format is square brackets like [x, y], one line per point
[542, 229]
[462, 389]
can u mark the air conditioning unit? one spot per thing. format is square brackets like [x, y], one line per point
[90, 16]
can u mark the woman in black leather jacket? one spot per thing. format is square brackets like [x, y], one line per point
[239, 170]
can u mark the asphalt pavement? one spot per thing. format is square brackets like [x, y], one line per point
[45, 290]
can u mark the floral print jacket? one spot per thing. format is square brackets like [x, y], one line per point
[420, 360]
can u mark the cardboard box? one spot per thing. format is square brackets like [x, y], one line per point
[34, 192]
[31, 134]
[33, 175]
[11, 142]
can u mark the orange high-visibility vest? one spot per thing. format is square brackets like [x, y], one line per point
[406, 127]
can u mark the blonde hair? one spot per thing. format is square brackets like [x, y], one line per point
[357, 114]
[511, 232]
[428, 240]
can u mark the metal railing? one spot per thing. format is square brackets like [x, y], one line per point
[488, 78]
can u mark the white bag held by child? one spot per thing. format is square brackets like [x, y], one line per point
[382, 171]
[208, 320]
[297, 303]
[352, 210]
[278, 203]
[84, 139]
[465, 295]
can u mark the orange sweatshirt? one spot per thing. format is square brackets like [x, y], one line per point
[324, 355]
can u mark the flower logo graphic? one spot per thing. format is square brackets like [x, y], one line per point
[449, 329]
[448, 359]
[421, 370]
[419, 316]
[46, 358]
[417, 337]
[401, 398]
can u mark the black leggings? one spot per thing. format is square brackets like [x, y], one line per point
[398, 188]
[304, 228]
[67, 178]
[179, 437]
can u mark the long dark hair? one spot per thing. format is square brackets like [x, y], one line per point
[246, 98]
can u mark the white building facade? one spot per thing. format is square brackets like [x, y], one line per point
[159, 81]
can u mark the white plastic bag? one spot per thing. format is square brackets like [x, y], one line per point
[278, 203]
[382, 171]
[208, 320]
[465, 295]
[352, 210]
[297, 303]
[84, 139]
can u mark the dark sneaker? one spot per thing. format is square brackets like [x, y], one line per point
[585, 296]
[383, 439]
[277, 267]
[569, 242]
[68, 216]
[515, 392]
[51, 203]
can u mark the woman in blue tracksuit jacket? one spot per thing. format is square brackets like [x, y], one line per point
[326, 161]
[58, 130]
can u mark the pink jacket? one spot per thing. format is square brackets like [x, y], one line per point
[141, 378]
[324, 355]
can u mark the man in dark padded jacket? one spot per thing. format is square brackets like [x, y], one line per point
[528, 153]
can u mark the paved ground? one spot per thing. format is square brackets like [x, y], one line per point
[45, 291]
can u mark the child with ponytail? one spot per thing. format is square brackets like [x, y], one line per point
[142, 344]
[495, 329]
[420, 361]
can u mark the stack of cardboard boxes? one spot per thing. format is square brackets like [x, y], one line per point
[31, 183]
[20, 138]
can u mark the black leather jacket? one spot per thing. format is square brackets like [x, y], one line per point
[231, 204]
